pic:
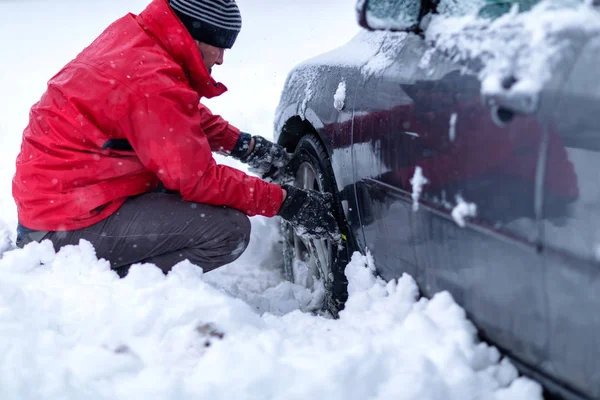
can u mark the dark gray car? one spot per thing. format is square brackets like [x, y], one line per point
[461, 144]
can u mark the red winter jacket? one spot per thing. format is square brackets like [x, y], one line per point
[140, 81]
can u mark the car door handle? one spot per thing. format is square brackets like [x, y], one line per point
[501, 115]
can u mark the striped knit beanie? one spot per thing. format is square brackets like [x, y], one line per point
[214, 22]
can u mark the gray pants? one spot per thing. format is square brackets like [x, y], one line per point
[162, 229]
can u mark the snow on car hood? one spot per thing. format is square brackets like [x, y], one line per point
[359, 51]
[525, 45]
[367, 53]
[70, 328]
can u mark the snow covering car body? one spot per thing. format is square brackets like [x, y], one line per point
[497, 109]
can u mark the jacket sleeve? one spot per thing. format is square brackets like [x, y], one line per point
[165, 130]
[221, 135]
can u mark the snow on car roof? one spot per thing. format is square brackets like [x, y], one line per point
[526, 45]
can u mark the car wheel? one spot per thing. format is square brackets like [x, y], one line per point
[316, 264]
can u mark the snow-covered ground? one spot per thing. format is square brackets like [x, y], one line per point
[70, 329]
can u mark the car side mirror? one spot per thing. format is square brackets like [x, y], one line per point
[392, 15]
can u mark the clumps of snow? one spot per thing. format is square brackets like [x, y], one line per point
[425, 61]
[72, 329]
[429, 348]
[417, 181]
[308, 94]
[287, 297]
[264, 255]
[452, 129]
[462, 210]
[532, 41]
[339, 97]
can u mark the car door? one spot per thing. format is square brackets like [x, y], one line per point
[383, 143]
[501, 151]
[488, 261]
[571, 227]
[478, 147]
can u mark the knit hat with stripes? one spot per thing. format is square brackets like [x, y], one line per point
[214, 22]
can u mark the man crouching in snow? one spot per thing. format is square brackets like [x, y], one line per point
[118, 149]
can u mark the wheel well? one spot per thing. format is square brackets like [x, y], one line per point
[292, 132]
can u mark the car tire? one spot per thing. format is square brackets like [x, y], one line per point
[317, 264]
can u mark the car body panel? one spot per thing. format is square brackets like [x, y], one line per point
[409, 104]
[571, 231]
[379, 138]
[435, 118]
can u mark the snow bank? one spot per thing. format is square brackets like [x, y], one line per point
[69, 328]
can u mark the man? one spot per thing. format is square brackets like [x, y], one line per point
[118, 149]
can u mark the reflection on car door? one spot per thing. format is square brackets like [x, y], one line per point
[425, 111]
[381, 143]
[571, 222]
[491, 265]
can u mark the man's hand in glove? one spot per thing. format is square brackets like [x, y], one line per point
[266, 159]
[309, 213]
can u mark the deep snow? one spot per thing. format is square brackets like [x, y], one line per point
[70, 329]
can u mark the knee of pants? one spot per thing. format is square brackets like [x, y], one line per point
[239, 237]
[230, 240]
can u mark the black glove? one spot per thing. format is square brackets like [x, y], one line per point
[309, 213]
[267, 159]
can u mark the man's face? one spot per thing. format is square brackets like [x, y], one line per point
[212, 55]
